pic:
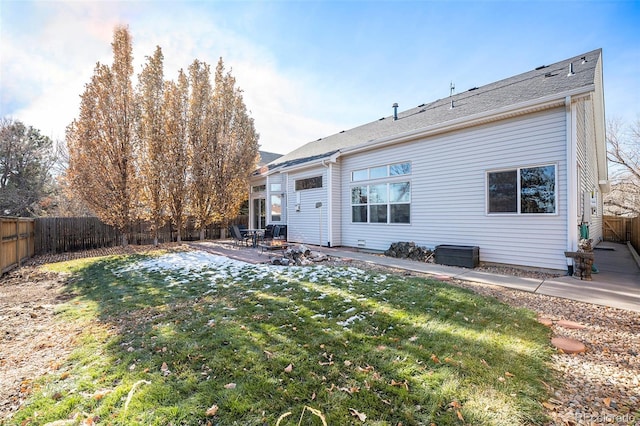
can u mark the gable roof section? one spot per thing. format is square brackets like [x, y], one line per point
[267, 157]
[543, 83]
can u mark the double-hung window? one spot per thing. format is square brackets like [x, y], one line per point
[524, 190]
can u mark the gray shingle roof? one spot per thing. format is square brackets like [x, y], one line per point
[268, 157]
[539, 83]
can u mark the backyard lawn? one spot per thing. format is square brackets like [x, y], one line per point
[193, 338]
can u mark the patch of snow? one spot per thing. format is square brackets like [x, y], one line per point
[350, 320]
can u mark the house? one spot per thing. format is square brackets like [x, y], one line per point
[513, 167]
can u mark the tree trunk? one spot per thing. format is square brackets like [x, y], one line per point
[202, 234]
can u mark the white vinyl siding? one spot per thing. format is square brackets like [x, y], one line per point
[336, 186]
[588, 178]
[304, 225]
[448, 191]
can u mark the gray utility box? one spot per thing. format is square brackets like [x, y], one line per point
[467, 256]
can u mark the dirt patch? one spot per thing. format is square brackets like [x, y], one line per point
[32, 342]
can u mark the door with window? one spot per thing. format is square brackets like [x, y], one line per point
[259, 219]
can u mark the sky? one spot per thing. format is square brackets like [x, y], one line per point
[310, 69]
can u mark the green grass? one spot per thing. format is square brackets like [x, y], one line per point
[259, 342]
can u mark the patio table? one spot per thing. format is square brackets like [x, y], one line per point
[255, 233]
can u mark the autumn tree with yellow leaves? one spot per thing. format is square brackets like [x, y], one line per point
[223, 145]
[166, 151]
[151, 156]
[101, 141]
[236, 145]
[175, 112]
[203, 147]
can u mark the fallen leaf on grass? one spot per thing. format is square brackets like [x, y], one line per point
[355, 413]
[288, 368]
[230, 386]
[435, 359]
[459, 414]
[549, 406]
[403, 384]
[507, 374]
[165, 369]
[351, 390]
[98, 395]
[366, 369]
[268, 354]
[212, 410]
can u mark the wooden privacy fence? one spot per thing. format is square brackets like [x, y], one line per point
[66, 234]
[622, 229]
[16, 241]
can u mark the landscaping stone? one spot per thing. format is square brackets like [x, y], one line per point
[568, 345]
[545, 321]
[571, 325]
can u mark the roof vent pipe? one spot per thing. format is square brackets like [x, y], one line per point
[571, 70]
[451, 104]
[395, 111]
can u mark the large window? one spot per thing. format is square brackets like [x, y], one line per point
[381, 203]
[309, 183]
[524, 190]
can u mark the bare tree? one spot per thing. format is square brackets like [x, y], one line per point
[176, 107]
[26, 159]
[152, 149]
[623, 152]
[101, 140]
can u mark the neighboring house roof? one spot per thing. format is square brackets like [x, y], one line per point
[267, 157]
[552, 81]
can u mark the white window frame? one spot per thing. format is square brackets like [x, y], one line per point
[388, 201]
[518, 211]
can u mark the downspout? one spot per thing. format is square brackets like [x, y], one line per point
[329, 202]
[572, 180]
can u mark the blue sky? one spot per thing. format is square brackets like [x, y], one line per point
[311, 69]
